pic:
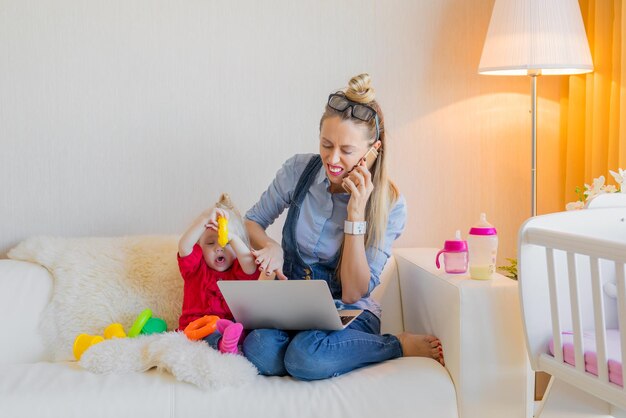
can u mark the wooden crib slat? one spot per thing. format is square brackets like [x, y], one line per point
[576, 317]
[554, 307]
[600, 323]
[621, 309]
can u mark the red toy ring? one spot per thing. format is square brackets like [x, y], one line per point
[201, 327]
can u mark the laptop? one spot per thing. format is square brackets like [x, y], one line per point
[285, 304]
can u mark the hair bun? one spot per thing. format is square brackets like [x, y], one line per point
[360, 90]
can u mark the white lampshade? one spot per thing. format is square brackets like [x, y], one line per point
[536, 37]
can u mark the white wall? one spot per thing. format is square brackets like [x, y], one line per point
[130, 117]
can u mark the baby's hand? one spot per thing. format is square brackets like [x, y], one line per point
[212, 218]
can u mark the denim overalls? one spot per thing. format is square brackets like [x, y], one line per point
[315, 354]
[294, 267]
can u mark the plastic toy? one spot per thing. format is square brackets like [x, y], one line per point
[144, 324]
[222, 231]
[83, 342]
[114, 331]
[154, 326]
[141, 320]
[201, 327]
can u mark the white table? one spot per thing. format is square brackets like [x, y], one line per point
[487, 320]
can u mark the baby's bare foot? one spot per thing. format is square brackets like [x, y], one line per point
[421, 345]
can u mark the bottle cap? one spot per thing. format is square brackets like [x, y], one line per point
[483, 227]
[456, 245]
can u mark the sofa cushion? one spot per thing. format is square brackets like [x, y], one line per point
[404, 387]
[25, 289]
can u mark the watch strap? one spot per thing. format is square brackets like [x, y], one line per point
[354, 228]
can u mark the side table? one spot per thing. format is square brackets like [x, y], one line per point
[481, 317]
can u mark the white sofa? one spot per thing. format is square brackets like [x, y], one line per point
[33, 386]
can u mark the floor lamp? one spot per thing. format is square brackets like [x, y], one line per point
[533, 38]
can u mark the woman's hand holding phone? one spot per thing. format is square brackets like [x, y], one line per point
[368, 160]
[360, 186]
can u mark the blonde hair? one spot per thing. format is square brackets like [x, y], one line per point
[385, 192]
[235, 221]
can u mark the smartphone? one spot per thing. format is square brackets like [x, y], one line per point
[369, 157]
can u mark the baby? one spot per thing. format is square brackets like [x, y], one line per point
[203, 262]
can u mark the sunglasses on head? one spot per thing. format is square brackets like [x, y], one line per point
[359, 111]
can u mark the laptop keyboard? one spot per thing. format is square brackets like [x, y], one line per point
[346, 318]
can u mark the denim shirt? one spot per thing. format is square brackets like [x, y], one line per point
[318, 227]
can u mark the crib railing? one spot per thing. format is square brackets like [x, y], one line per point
[567, 263]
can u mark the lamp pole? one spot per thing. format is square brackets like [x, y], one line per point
[533, 168]
[533, 38]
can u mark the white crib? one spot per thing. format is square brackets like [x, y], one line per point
[572, 279]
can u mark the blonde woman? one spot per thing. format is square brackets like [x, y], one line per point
[343, 218]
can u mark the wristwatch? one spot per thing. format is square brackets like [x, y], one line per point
[354, 228]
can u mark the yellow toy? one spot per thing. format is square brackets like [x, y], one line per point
[222, 231]
[114, 331]
[83, 342]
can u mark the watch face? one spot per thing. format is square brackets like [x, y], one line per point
[359, 227]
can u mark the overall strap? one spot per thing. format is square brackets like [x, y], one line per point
[289, 242]
[305, 180]
[294, 266]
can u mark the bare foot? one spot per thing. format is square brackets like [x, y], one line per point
[421, 345]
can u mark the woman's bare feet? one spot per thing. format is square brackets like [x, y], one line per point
[421, 345]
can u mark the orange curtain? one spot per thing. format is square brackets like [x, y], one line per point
[593, 106]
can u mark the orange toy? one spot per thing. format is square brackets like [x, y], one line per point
[201, 327]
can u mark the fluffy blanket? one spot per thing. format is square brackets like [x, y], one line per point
[189, 361]
[99, 281]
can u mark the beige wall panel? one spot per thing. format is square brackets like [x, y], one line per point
[130, 117]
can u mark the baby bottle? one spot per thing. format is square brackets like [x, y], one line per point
[483, 247]
[454, 255]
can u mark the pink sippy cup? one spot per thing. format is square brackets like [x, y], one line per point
[454, 255]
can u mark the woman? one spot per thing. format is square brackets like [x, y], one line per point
[341, 223]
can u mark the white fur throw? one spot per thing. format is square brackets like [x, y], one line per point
[100, 281]
[189, 361]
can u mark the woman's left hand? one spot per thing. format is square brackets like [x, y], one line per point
[359, 182]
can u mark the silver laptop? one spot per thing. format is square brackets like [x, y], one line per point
[285, 304]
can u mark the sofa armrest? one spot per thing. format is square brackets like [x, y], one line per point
[479, 325]
[25, 290]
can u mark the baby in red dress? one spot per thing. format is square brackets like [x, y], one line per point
[203, 262]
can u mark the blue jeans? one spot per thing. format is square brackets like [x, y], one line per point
[213, 339]
[314, 355]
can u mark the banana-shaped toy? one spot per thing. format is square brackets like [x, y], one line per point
[222, 231]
